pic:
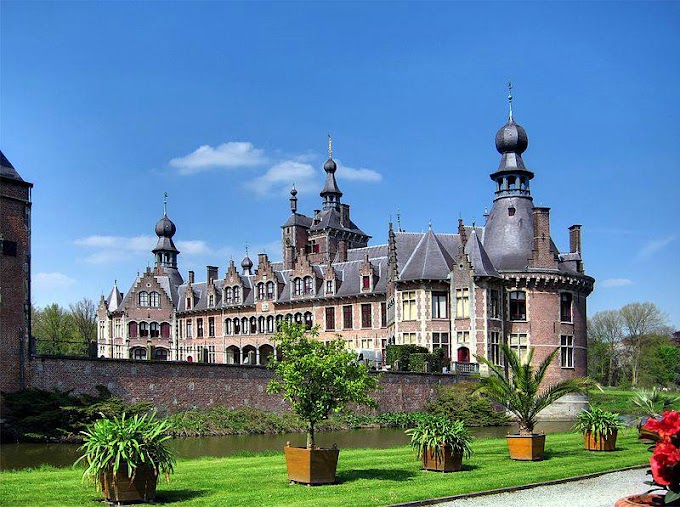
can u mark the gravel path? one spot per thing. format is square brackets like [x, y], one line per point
[602, 491]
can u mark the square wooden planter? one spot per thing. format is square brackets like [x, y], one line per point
[311, 466]
[603, 442]
[448, 461]
[526, 447]
[121, 488]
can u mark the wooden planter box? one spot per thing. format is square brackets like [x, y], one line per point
[603, 443]
[448, 461]
[526, 447]
[121, 488]
[311, 466]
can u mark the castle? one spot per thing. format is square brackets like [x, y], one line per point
[464, 292]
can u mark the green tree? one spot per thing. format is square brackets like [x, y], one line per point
[605, 335]
[54, 330]
[640, 320]
[658, 361]
[317, 378]
[84, 316]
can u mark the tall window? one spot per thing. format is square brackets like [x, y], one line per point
[330, 318]
[190, 329]
[297, 287]
[155, 299]
[494, 303]
[143, 298]
[347, 317]
[270, 290]
[227, 296]
[329, 286]
[244, 325]
[260, 291]
[518, 342]
[566, 351]
[143, 329]
[228, 329]
[462, 303]
[309, 283]
[237, 295]
[383, 314]
[365, 282]
[253, 325]
[211, 326]
[463, 336]
[270, 324]
[408, 305]
[441, 341]
[518, 305]
[366, 315]
[439, 305]
[199, 328]
[308, 320]
[493, 352]
[565, 306]
[211, 353]
[211, 300]
[155, 330]
[132, 329]
[408, 338]
[261, 324]
[237, 326]
[189, 303]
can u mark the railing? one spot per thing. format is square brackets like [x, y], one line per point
[465, 368]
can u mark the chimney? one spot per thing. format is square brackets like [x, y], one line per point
[342, 251]
[461, 232]
[344, 214]
[211, 274]
[575, 239]
[542, 256]
[191, 277]
[288, 257]
[261, 260]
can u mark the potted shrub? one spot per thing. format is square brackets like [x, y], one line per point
[125, 456]
[653, 403]
[440, 442]
[599, 429]
[317, 379]
[521, 392]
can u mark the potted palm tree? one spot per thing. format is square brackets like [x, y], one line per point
[125, 456]
[522, 394]
[317, 379]
[440, 442]
[599, 429]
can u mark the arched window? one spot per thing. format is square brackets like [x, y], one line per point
[237, 295]
[298, 318]
[253, 325]
[155, 330]
[237, 326]
[139, 353]
[143, 329]
[297, 287]
[308, 320]
[308, 285]
[270, 290]
[289, 317]
[132, 329]
[227, 296]
[260, 325]
[165, 330]
[154, 299]
[270, 324]
[244, 325]
[279, 320]
[260, 291]
[143, 298]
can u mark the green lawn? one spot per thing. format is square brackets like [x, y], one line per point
[367, 477]
[620, 401]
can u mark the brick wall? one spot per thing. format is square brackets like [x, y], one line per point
[173, 386]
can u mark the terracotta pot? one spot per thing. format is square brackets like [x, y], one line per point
[448, 461]
[311, 466]
[526, 447]
[141, 487]
[640, 500]
[603, 442]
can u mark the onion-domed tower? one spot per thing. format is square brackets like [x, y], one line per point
[165, 252]
[331, 193]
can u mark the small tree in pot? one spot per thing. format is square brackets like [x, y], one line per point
[440, 442]
[599, 429]
[316, 379]
[125, 456]
[522, 394]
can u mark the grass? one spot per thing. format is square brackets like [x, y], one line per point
[619, 401]
[367, 477]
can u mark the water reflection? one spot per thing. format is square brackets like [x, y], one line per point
[14, 456]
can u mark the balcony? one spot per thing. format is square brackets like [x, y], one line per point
[465, 368]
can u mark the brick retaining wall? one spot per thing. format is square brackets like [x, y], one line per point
[179, 385]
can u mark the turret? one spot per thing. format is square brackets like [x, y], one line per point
[165, 251]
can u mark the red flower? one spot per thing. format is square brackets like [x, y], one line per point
[666, 464]
[668, 426]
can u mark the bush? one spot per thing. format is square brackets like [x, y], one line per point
[462, 401]
[402, 354]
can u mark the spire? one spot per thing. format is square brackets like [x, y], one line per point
[331, 193]
[293, 199]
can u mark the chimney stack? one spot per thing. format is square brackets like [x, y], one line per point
[342, 251]
[211, 274]
[575, 239]
[542, 256]
[191, 277]
[461, 232]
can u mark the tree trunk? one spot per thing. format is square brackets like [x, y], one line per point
[310, 436]
[526, 428]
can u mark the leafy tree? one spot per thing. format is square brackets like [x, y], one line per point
[84, 315]
[658, 361]
[54, 329]
[640, 320]
[605, 334]
[317, 378]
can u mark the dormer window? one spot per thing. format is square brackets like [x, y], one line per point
[365, 282]
[237, 295]
[270, 290]
[211, 300]
[189, 302]
[297, 287]
[308, 285]
[329, 286]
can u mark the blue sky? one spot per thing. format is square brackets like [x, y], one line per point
[106, 105]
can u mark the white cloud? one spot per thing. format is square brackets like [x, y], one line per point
[228, 155]
[656, 245]
[136, 243]
[278, 179]
[350, 174]
[195, 247]
[610, 283]
[112, 249]
[50, 281]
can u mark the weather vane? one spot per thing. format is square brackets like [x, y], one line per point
[330, 146]
[510, 97]
[165, 203]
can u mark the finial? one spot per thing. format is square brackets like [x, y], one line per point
[510, 97]
[330, 146]
[399, 220]
[246, 249]
[115, 283]
[165, 203]
[429, 224]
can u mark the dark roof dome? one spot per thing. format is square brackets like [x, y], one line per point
[330, 166]
[165, 227]
[246, 263]
[511, 138]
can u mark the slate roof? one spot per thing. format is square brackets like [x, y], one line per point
[481, 264]
[509, 240]
[114, 300]
[7, 171]
[429, 260]
[298, 219]
[330, 219]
